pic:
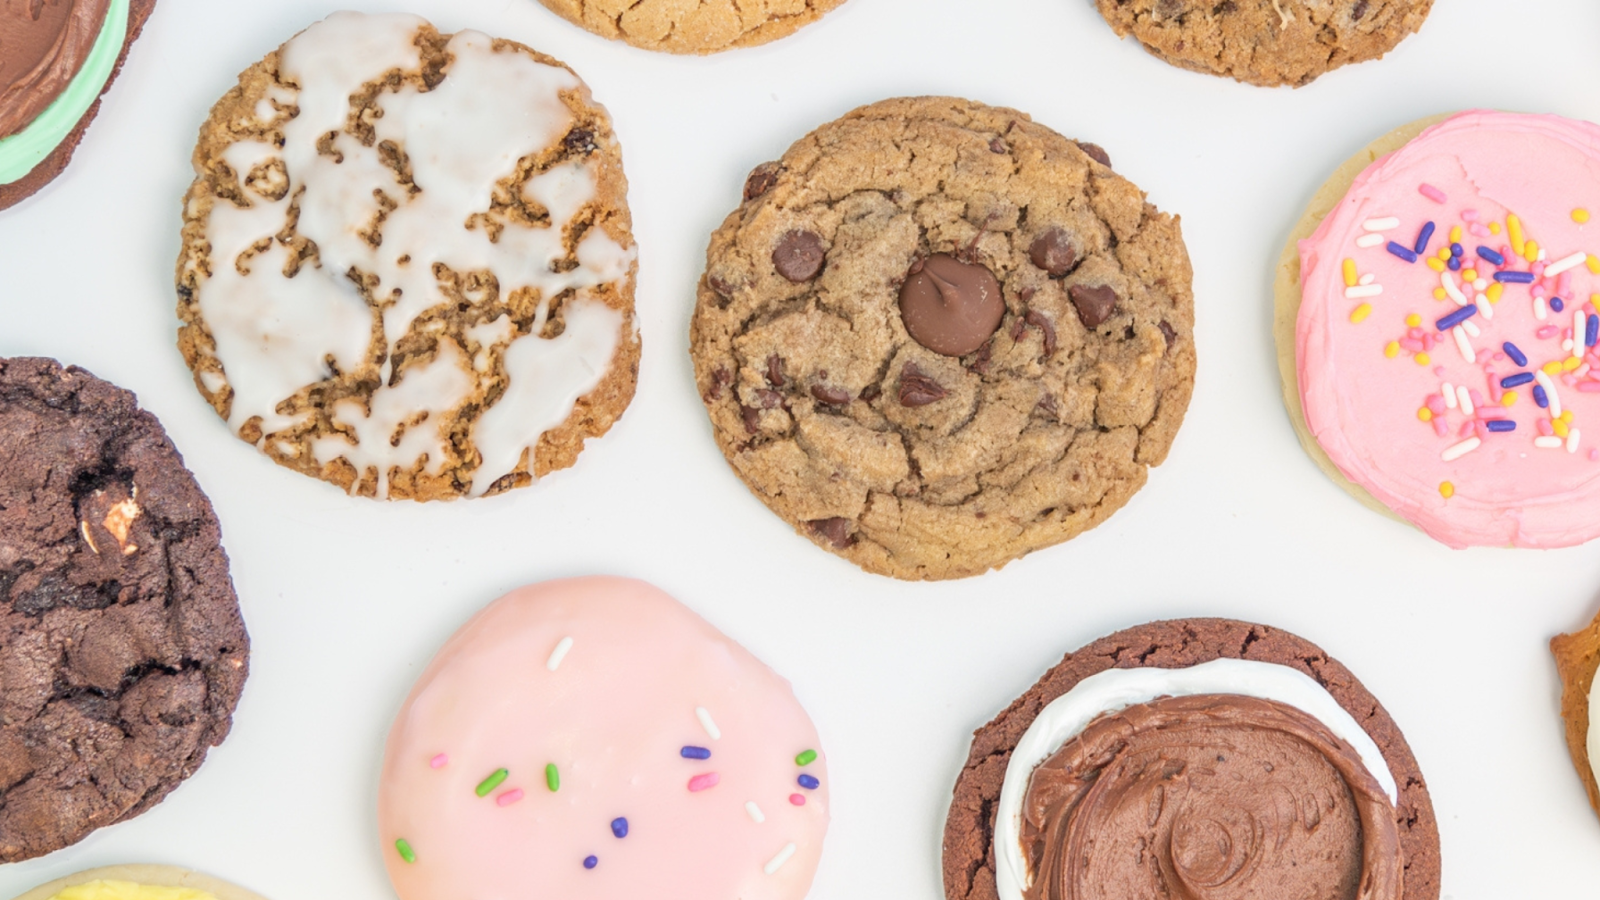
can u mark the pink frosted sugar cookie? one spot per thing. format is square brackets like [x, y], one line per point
[594, 738]
[1445, 345]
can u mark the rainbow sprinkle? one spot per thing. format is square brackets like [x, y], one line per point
[619, 827]
[509, 797]
[494, 780]
[809, 782]
[439, 762]
[695, 753]
[403, 847]
[552, 777]
[797, 799]
[806, 758]
[590, 862]
[704, 781]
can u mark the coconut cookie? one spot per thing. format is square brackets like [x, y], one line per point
[1266, 42]
[139, 883]
[937, 336]
[1577, 657]
[58, 58]
[1437, 328]
[406, 263]
[122, 651]
[1192, 758]
[597, 739]
[692, 26]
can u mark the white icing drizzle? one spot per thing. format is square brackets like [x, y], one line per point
[275, 334]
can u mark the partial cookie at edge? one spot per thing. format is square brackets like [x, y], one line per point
[697, 26]
[1577, 657]
[148, 875]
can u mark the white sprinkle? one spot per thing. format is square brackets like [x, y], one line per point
[1548, 442]
[704, 715]
[754, 811]
[1369, 240]
[1577, 335]
[777, 862]
[1541, 257]
[1448, 282]
[1471, 329]
[1466, 400]
[1549, 391]
[558, 654]
[1456, 451]
[1481, 284]
[1572, 441]
[1381, 224]
[1540, 311]
[1563, 264]
[1449, 393]
[1368, 278]
[1485, 308]
[1463, 344]
[1361, 292]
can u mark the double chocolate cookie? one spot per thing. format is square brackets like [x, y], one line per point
[692, 26]
[122, 651]
[937, 336]
[1266, 42]
[1192, 758]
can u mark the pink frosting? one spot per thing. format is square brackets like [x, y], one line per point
[622, 700]
[1363, 404]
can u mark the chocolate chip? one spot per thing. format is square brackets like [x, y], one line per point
[835, 531]
[1095, 303]
[775, 371]
[949, 306]
[761, 180]
[723, 288]
[1042, 322]
[1360, 9]
[998, 146]
[1054, 253]
[1168, 333]
[830, 395]
[769, 399]
[1047, 403]
[752, 418]
[579, 140]
[799, 256]
[917, 389]
[720, 379]
[1096, 152]
[870, 393]
[980, 363]
[1228, 6]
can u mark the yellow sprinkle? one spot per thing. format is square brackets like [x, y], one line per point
[1469, 275]
[1559, 427]
[1580, 216]
[1447, 490]
[1494, 227]
[1552, 368]
[1514, 227]
[1439, 293]
[1566, 416]
[1510, 399]
[1436, 264]
[1455, 234]
[1351, 276]
[1422, 359]
[1530, 251]
[1572, 363]
[1392, 350]
[1414, 320]
[1425, 414]
[1494, 292]
[1361, 312]
[1444, 253]
[1594, 263]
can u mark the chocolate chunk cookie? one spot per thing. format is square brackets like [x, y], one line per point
[1577, 658]
[1199, 846]
[122, 652]
[937, 336]
[408, 269]
[1266, 42]
[692, 26]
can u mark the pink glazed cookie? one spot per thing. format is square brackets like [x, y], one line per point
[1444, 349]
[594, 738]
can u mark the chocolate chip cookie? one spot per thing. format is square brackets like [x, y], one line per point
[1266, 42]
[407, 263]
[122, 652]
[692, 26]
[1274, 773]
[1577, 658]
[937, 336]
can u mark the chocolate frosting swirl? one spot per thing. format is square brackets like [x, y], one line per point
[1209, 797]
[43, 44]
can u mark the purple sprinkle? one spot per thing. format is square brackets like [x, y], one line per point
[1456, 318]
[1425, 235]
[1454, 263]
[590, 862]
[1457, 250]
[1501, 425]
[1517, 356]
[1556, 304]
[1514, 277]
[1402, 252]
[1517, 380]
[1491, 256]
[1540, 397]
[619, 827]
[1591, 331]
[809, 782]
[695, 753]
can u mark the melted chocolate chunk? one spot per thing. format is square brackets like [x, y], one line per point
[799, 256]
[1054, 253]
[1042, 322]
[1359, 10]
[830, 395]
[917, 389]
[835, 531]
[1096, 152]
[761, 180]
[752, 418]
[949, 306]
[870, 393]
[1095, 303]
[775, 371]
[579, 140]
[1168, 333]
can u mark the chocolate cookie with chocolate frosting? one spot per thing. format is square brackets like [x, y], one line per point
[937, 336]
[122, 651]
[1186, 758]
[57, 57]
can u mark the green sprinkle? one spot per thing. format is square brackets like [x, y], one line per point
[492, 782]
[806, 758]
[406, 853]
[552, 777]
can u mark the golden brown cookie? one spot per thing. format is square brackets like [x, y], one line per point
[692, 26]
[407, 266]
[937, 336]
[146, 876]
[1577, 657]
[1266, 42]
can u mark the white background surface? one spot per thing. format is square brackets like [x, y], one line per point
[347, 599]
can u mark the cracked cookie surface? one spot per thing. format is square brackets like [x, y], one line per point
[969, 860]
[692, 26]
[407, 264]
[905, 460]
[1266, 42]
[122, 651]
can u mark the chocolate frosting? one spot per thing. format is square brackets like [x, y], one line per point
[43, 43]
[1209, 797]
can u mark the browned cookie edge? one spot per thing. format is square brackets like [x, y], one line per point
[1577, 658]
